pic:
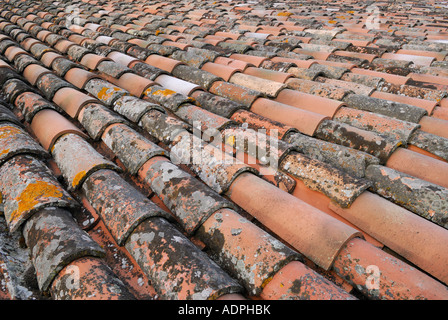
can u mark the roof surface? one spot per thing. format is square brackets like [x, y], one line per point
[223, 150]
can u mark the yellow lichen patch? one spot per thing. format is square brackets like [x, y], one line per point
[332, 21]
[4, 152]
[8, 131]
[147, 91]
[351, 12]
[165, 92]
[79, 176]
[30, 196]
[105, 93]
[230, 140]
[284, 14]
[265, 282]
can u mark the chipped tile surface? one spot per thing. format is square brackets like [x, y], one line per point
[223, 150]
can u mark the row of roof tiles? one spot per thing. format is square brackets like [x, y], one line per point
[137, 101]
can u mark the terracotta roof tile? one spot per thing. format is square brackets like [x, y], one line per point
[399, 213]
[48, 135]
[183, 282]
[100, 282]
[96, 118]
[55, 241]
[121, 218]
[225, 72]
[72, 101]
[32, 72]
[21, 201]
[76, 170]
[395, 184]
